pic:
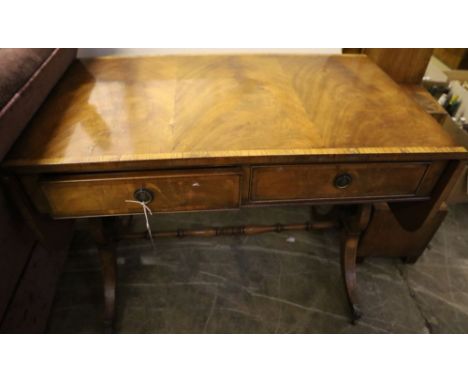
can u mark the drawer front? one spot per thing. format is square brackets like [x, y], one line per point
[70, 196]
[333, 181]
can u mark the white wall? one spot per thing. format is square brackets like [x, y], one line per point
[92, 52]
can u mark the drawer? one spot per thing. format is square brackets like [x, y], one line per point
[340, 181]
[88, 195]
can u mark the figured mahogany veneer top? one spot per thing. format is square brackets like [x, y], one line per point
[122, 111]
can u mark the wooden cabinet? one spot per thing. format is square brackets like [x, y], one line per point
[454, 58]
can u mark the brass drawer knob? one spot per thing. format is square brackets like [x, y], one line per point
[343, 180]
[143, 195]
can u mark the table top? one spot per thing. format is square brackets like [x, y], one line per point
[120, 111]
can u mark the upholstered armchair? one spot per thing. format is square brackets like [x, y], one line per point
[31, 256]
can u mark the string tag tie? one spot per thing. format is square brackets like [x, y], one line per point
[146, 211]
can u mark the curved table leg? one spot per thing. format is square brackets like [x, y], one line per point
[353, 225]
[103, 236]
[348, 269]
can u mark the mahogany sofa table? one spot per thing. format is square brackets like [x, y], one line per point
[197, 133]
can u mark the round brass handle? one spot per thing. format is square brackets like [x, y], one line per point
[343, 180]
[143, 195]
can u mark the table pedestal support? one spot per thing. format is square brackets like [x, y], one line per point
[354, 223]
